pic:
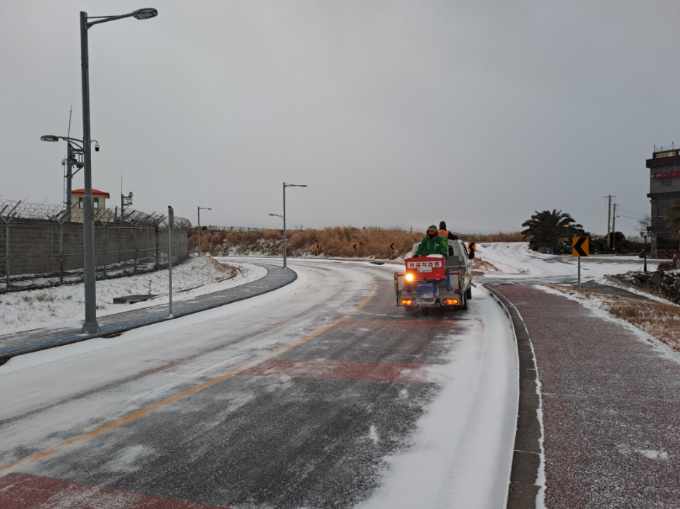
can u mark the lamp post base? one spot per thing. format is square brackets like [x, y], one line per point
[90, 327]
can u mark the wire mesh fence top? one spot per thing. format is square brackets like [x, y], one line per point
[17, 209]
[13, 210]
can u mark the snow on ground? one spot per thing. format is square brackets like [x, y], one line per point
[62, 306]
[461, 453]
[514, 260]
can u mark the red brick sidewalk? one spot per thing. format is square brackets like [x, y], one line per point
[611, 407]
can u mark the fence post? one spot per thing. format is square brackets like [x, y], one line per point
[135, 234]
[105, 260]
[171, 222]
[61, 252]
[7, 283]
[157, 245]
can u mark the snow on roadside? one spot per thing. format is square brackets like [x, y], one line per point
[62, 306]
[601, 308]
[514, 260]
[461, 452]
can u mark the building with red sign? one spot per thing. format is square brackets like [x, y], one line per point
[664, 192]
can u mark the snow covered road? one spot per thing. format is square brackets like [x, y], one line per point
[320, 394]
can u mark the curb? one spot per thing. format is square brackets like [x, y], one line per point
[116, 330]
[526, 456]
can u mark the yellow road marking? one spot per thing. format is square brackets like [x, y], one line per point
[136, 415]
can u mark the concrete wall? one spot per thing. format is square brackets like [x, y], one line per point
[38, 247]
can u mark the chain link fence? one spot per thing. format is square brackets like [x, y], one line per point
[39, 249]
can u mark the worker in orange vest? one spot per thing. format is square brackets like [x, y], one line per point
[443, 232]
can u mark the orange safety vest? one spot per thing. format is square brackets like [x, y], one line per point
[444, 233]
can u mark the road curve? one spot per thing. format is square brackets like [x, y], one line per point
[320, 394]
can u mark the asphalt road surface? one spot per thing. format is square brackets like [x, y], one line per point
[320, 394]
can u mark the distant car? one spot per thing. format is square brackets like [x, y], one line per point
[436, 281]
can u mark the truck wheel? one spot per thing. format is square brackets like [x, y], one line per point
[468, 293]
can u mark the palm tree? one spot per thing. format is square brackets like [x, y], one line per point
[547, 228]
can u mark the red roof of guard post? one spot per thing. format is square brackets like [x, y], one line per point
[95, 192]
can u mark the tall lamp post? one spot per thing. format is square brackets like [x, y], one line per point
[198, 214]
[285, 236]
[90, 325]
[74, 147]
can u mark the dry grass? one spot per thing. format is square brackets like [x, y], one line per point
[660, 320]
[345, 241]
[337, 241]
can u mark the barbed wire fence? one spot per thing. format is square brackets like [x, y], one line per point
[40, 249]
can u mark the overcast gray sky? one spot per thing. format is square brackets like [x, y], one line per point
[394, 112]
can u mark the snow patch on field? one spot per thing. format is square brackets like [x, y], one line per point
[514, 260]
[62, 306]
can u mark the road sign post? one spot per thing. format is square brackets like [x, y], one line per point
[580, 246]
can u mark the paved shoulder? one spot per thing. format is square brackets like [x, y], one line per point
[111, 325]
[611, 407]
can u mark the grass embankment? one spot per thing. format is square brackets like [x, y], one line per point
[345, 241]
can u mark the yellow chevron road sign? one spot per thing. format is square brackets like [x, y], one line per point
[580, 245]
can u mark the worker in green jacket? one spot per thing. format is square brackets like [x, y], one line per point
[433, 243]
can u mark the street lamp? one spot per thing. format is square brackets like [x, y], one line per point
[74, 146]
[90, 325]
[198, 210]
[285, 237]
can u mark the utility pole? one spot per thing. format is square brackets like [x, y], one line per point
[609, 219]
[125, 200]
[613, 234]
[70, 159]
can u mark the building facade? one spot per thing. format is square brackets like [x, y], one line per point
[664, 192]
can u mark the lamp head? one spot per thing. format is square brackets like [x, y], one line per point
[145, 13]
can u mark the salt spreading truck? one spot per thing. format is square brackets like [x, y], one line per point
[436, 281]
